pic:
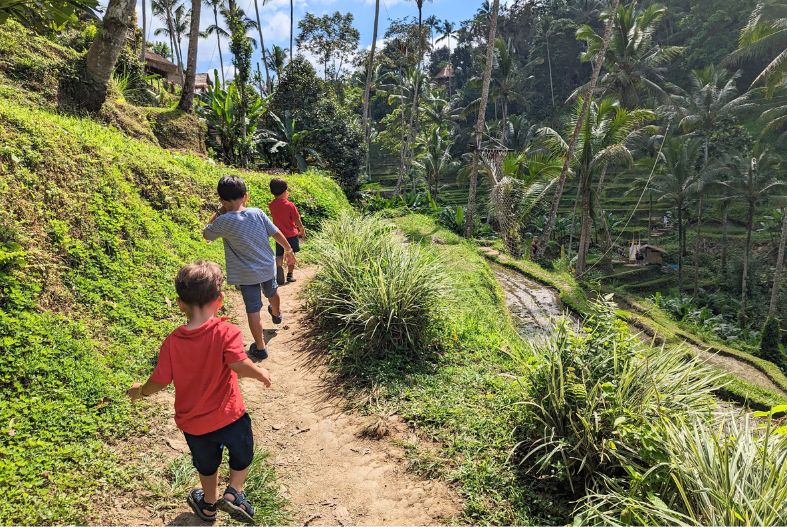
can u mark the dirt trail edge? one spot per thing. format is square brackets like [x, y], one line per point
[330, 474]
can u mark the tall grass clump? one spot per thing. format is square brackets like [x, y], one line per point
[598, 399]
[375, 295]
[725, 473]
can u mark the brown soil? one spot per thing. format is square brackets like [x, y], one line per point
[328, 468]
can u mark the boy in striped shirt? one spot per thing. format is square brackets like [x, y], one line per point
[251, 263]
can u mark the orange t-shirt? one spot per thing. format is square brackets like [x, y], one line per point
[207, 395]
[284, 214]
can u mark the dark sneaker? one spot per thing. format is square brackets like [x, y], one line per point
[259, 354]
[280, 275]
[276, 320]
[290, 278]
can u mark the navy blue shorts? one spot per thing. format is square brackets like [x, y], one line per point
[252, 294]
[295, 243]
[206, 449]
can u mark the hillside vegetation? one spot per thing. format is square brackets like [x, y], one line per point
[93, 226]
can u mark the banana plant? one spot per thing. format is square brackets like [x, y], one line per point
[286, 140]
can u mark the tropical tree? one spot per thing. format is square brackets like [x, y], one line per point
[481, 120]
[174, 16]
[268, 84]
[330, 38]
[752, 181]
[292, 22]
[186, 102]
[277, 57]
[241, 47]
[435, 157]
[144, 45]
[162, 48]
[778, 271]
[42, 15]
[505, 81]
[370, 70]
[605, 140]
[447, 33]
[216, 29]
[765, 37]
[591, 87]
[104, 53]
[290, 141]
[635, 65]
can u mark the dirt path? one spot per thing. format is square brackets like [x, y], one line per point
[330, 474]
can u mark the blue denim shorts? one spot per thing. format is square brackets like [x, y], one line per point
[252, 297]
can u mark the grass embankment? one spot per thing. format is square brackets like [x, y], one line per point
[463, 397]
[655, 323]
[93, 226]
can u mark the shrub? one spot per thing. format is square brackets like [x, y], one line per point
[378, 295]
[713, 474]
[336, 133]
[598, 397]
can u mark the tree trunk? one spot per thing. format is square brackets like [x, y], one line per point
[697, 248]
[550, 226]
[104, 52]
[585, 223]
[549, 64]
[600, 211]
[402, 149]
[413, 122]
[262, 46]
[144, 31]
[368, 88]
[777, 272]
[680, 249]
[505, 122]
[724, 243]
[292, 21]
[650, 217]
[573, 223]
[187, 95]
[479, 125]
[746, 256]
[218, 41]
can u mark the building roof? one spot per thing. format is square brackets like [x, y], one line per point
[159, 62]
[653, 248]
[445, 73]
[202, 79]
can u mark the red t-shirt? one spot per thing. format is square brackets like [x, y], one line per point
[284, 214]
[207, 395]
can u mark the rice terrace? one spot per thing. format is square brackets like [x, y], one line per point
[393, 262]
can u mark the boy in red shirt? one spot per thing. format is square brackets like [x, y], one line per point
[287, 219]
[204, 359]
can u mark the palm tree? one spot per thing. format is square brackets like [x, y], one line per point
[164, 9]
[752, 181]
[277, 56]
[144, 30]
[604, 141]
[779, 269]
[550, 224]
[481, 120]
[216, 29]
[765, 37]
[505, 81]
[268, 85]
[186, 102]
[635, 64]
[292, 22]
[368, 85]
[104, 52]
[435, 159]
[446, 34]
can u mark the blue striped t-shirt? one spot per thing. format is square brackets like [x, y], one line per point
[247, 251]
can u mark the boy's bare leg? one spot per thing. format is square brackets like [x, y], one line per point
[237, 481]
[275, 304]
[290, 268]
[255, 325]
[210, 488]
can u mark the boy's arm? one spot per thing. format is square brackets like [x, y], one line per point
[208, 232]
[301, 228]
[288, 254]
[138, 391]
[246, 368]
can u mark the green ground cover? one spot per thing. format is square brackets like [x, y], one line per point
[93, 227]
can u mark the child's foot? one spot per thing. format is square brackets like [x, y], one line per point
[204, 510]
[276, 319]
[236, 504]
[256, 353]
[290, 278]
[280, 275]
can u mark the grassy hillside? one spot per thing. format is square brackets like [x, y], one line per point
[93, 226]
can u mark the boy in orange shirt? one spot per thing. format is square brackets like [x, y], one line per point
[287, 219]
[204, 359]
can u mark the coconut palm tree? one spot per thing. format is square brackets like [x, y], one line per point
[505, 81]
[435, 157]
[268, 84]
[480, 124]
[144, 30]
[277, 57]
[216, 29]
[778, 271]
[635, 64]
[165, 10]
[591, 87]
[446, 34]
[369, 72]
[292, 22]
[753, 181]
[604, 141]
[186, 102]
[765, 37]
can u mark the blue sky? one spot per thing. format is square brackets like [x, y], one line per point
[276, 15]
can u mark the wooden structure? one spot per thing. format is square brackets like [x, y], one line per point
[202, 82]
[155, 64]
[444, 75]
[652, 255]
